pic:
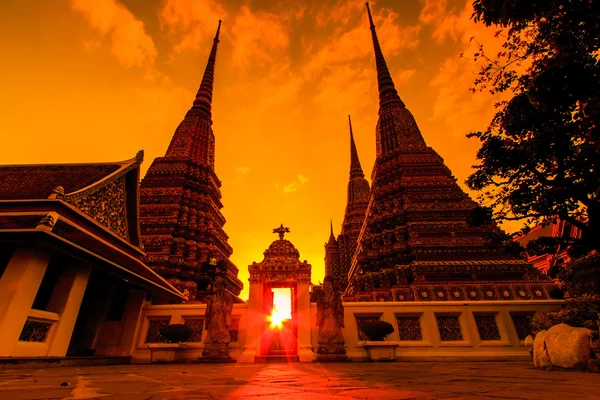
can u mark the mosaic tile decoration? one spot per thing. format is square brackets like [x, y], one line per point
[449, 327]
[197, 327]
[487, 327]
[154, 325]
[409, 327]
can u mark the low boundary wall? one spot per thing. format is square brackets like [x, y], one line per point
[425, 331]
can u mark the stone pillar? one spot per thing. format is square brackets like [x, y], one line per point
[305, 353]
[131, 321]
[18, 287]
[255, 322]
[65, 301]
[102, 297]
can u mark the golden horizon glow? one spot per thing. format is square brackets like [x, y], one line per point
[282, 307]
[98, 80]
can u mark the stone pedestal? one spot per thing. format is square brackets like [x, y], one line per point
[166, 353]
[381, 351]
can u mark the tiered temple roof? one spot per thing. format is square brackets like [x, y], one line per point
[416, 243]
[181, 221]
[86, 211]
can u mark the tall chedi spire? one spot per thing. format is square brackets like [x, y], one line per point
[415, 242]
[181, 221]
[356, 206]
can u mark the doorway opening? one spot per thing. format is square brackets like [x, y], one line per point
[280, 336]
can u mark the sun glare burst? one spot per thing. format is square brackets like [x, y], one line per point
[282, 307]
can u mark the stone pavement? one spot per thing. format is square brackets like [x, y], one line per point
[399, 380]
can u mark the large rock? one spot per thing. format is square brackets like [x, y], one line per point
[563, 346]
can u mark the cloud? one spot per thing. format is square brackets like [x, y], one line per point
[432, 11]
[191, 22]
[242, 170]
[302, 179]
[292, 187]
[403, 76]
[462, 110]
[258, 37]
[129, 42]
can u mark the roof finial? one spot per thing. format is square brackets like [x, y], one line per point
[355, 167]
[204, 96]
[331, 228]
[387, 92]
[281, 231]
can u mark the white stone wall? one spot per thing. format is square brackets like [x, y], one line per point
[177, 314]
[431, 347]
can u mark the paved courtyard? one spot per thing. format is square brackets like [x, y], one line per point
[400, 380]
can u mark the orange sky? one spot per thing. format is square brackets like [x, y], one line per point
[98, 80]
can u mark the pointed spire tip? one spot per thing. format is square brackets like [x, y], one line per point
[370, 17]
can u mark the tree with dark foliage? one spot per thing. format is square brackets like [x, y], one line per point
[540, 156]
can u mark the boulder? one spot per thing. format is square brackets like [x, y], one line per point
[563, 346]
[540, 355]
[569, 347]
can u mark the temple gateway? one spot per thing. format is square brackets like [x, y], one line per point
[96, 266]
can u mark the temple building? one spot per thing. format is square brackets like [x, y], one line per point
[339, 252]
[72, 279]
[416, 243]
[279, 309]
[558, 258]
[181, 222]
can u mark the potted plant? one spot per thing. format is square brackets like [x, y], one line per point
[375, 345]
[172, 349]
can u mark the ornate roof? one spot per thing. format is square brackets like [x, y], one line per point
[281, 252]
[281, 261]
[106, 192]
[39, 181]
[87, 211]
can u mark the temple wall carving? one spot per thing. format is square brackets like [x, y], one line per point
[106, 206]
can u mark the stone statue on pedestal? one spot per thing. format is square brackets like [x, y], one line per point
[330, 319]
[218, 321]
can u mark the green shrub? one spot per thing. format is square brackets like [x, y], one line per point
[579, 312]
[581, 276]
[376, 330]
[176, 333]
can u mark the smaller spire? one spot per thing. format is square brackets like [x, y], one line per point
[331, 241]
[355, 166]
[331, 235]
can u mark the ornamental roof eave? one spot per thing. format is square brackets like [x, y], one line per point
[90, 248]
[70, 183]
[13, 209]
